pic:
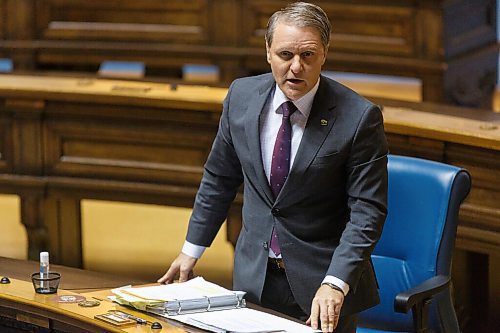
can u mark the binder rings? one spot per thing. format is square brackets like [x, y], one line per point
[213, 303]
[196, 295]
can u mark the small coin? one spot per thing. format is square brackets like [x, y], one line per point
[89, 303]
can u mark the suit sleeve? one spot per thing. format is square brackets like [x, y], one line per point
[366, 188]
[221, 179]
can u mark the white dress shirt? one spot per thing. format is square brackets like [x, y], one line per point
[271, 118]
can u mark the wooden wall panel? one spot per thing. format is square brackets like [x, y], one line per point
[373, 29]
[123, 20]
[434, 41]
[430, 149]
[5, 144]
[19, 19]
[155, 153]
[483, 200]
[256, 15]
[26, 133]
[3, 23]
[424, 39]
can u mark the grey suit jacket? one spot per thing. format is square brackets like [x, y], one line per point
[329, 213]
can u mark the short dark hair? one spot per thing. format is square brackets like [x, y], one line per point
[301, 14]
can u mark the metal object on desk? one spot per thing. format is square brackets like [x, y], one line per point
[114, 319]
[129, 316]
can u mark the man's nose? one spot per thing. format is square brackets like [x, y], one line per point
[296, 65]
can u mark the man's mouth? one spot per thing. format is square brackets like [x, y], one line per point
[295, 81]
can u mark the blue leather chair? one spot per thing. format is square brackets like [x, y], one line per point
[413, 257]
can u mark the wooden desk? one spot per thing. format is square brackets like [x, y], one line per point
[65, 139]
[22, 308]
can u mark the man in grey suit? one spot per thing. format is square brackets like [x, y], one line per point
[312, 156]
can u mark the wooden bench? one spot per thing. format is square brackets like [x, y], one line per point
[450, 46]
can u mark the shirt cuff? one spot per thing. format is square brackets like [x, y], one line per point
[338, 282]
[193, 250]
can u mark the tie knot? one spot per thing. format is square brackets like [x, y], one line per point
[288, 108]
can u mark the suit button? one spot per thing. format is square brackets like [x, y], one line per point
[276, 212]
[265, 245]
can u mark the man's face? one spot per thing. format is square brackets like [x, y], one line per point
[296, 56]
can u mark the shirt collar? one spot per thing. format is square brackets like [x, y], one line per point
[303, 104]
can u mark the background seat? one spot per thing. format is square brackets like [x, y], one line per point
[413, 257]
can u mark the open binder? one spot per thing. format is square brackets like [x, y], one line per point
[196, 295]
[196, 302]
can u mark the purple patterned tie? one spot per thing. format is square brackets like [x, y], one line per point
[281, 160]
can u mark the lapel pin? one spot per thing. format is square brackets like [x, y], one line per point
[324, 122]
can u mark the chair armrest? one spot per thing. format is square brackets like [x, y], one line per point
[406, 300]
[419, 298]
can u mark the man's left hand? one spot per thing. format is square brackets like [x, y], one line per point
[325, 308]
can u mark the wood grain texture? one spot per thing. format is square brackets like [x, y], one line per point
[430, 40]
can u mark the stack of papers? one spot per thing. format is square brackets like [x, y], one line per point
[196, 295]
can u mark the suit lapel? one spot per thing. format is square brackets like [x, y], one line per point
[252, 130]
[319, 125]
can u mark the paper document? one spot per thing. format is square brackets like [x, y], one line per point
[241, 321]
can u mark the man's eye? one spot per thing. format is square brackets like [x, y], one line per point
[285, 54]
[307, 54]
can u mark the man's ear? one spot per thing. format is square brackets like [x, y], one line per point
[268, 54]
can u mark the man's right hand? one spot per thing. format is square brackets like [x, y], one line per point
[182, 265]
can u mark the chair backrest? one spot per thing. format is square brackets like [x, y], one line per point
[418, 238]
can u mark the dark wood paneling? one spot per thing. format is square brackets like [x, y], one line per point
[5, 144]
[480, 216]
[121, 20]
[435, 41]
[150, 152]
[3, 25]
[19, 15]
[401, 144]
[26, 132]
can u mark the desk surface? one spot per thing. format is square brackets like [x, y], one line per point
[19, 302]
[73, 279]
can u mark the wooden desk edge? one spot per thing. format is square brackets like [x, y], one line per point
[16, 295]
[209, 99]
